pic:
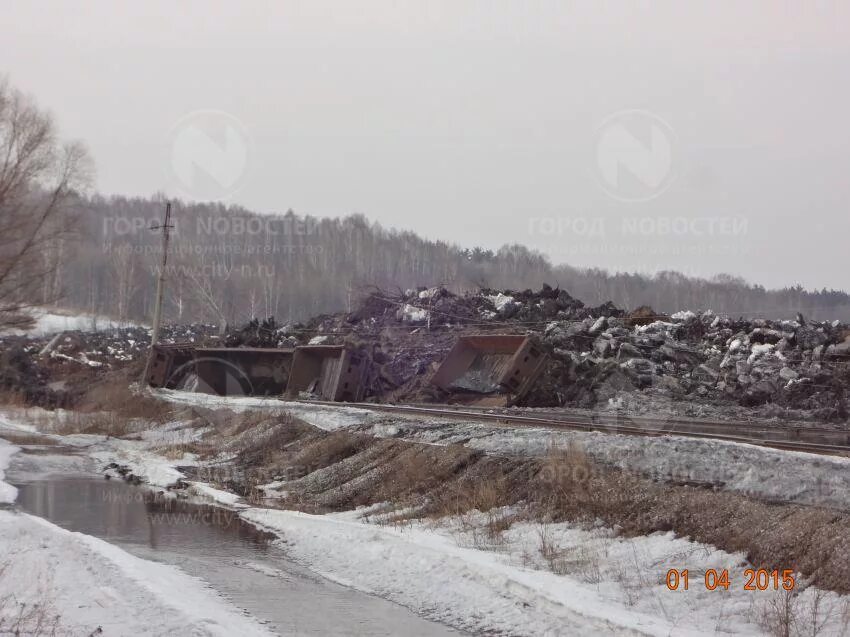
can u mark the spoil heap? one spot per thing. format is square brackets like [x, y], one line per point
[598, 357]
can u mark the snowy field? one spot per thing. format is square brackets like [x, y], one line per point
[96, 588]
[50, 322]
[535, 579]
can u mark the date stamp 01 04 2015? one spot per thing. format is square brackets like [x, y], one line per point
[754, 579]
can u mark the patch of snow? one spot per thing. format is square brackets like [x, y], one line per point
[685, 315]
[91, 583]
[411, 566]
[216, 495]
[8, 493]
[429, 293]
[47, 322]
[655, 326]
[598, 325]
[501, 301]
[317, 340]
[608, 584]
[789, 476]
[758, 350]
[82, 360]
[413, 314]
[153, 469]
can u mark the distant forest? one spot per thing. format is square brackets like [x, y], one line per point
[227, 265]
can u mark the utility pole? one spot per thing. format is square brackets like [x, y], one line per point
[160, 288]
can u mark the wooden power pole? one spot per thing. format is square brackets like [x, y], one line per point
[160, 288]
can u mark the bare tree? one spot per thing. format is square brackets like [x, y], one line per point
[38, 179]
[205, 282]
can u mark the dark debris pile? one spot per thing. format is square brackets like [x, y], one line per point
[55, 370]
[598, 356]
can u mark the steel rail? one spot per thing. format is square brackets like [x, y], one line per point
[667, 428]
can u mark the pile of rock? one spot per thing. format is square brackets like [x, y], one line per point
[54, 370]
[752, 362]
[600, 353]
[597, 355]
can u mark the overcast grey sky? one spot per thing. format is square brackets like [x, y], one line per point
[698, 136]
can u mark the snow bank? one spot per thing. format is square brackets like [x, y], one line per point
[431, 575]
[137, 457]
[324, 417]
[606, 584]
[8, 493]
[226, 498]
[51, 322]
[90, 583]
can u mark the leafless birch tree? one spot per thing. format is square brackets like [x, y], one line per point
[39, 176]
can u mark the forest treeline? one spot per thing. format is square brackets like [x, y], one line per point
[227, 264]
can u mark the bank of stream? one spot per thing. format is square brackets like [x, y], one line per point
[242, 563]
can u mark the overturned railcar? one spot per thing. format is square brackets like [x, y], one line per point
[168, 364]
[224, 371]
[329, 372]
[490, 369]
[248, 371]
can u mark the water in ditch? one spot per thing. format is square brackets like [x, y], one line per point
[214, 544]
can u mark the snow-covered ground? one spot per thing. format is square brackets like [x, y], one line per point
[788, 476]
[8, 493]
[46, 571]
[532, 579]
[90, 583]
[50, 322]
[603, 584]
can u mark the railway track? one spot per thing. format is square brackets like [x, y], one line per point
[820, 440]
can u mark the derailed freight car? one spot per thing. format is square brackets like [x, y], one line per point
[490, 369]
[330, 372]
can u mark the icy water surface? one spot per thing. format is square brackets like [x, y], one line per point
[212, 543]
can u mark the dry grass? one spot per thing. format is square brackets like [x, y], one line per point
[564, 482]
[779, 616]
[328, 450]
[110, 409]
[32, 620]
[334, 471]
[584, 561]
[21, 618]
[178, 450]
[267, 447]
[802, 612]
[116, 397]
[249, 420]
[25, 439]
[100, 423]
[471, 495]
[12, 398]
